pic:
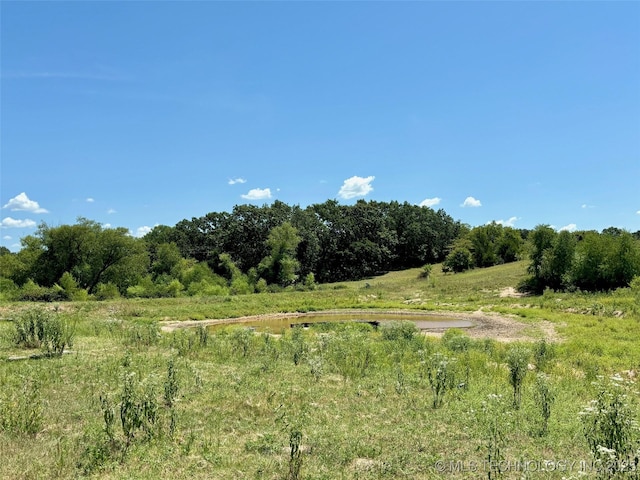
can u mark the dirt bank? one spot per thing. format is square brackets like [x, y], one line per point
[486, 325]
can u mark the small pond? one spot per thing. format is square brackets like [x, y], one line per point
[278, 325]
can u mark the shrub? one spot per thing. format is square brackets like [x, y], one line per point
[107, 291]
[425, 272]
[394, 330]
[39, 328]
[309, 281]
[459, 260]
[456, 340]
[32, 292]
[8, 290]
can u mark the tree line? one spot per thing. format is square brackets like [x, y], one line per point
[251, 248]
[270, 247]
[584, 260]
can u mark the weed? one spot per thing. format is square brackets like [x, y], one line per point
[544, 397]
[297, 345]
[441, 375]
[316, 366]
[517, 360]
[171, 384]
[241, 339]
[543, 353]
[295, 455]
[494, 428]
[611, 430]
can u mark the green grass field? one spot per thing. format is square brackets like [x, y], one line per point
[333, 402]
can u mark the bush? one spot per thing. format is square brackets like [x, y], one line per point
[398, 330]
[459, 260]
[107, 291]
[32, 292]
[455, 340]
[309, 281]
[426, 271]
[39, 328]
[8, 290]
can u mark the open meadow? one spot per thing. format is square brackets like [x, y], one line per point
[541, 388]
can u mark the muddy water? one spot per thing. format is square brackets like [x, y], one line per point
[423, 322]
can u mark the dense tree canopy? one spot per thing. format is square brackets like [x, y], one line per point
[582, 260]
[276, 246]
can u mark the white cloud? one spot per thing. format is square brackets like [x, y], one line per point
[569, 228]
[142, 231]
[638, 212]
[356, 187]
[233, 181]
[257, 194]
[471, 202]
[106, 225]
[6, 237]
[430, 202]
[9, 222]
[23, 203]
[90, 200]
[110, 211]
[507, 223]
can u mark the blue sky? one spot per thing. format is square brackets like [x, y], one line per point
[135, 114]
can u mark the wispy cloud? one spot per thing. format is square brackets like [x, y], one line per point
[9, 222]
[356, 187]
[257, 194]
[507, 223]
[638, 212]
[90, 200]
[471, 202]
[572, 227]
[22, 202]
[430, 202]
[7, 237]
[111, 211]
[233, 181]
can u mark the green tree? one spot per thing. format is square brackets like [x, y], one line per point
[510, 244]
[485, 241]
[459, 260]
[90, 253]
[167, 259]
[281, 266]
[557, 261]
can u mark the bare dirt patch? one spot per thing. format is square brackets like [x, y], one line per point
[486, 325]
[510, 292]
